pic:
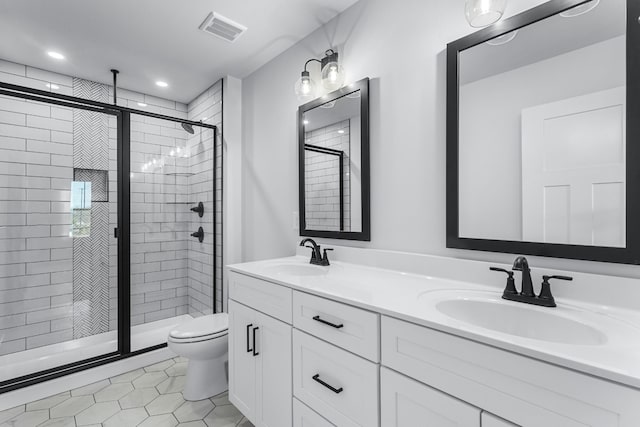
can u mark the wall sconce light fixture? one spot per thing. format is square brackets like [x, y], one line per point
[332, 76]
[481, 13]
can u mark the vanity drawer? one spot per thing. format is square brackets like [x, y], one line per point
[525, 391]
[267, 297]
[404, 401]
[349, 395]
[348, 327]
[303, 416]
[489, 420]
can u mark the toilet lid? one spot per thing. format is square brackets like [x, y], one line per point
[212, 324]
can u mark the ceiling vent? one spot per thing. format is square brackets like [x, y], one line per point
[222, 27]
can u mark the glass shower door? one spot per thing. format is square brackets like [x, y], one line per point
[172, 268]
[58, 252]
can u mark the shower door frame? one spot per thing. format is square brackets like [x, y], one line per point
[122, 232]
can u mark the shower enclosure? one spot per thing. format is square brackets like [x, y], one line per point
[108, 226]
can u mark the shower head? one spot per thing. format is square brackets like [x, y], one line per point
[188, 128]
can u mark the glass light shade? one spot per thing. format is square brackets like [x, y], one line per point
[580, 10]
[305, 88]
[503, 39]
[481, 13]
[332, 76]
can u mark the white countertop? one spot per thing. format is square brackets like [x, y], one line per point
[398, 294]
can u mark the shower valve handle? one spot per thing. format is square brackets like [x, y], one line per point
[199, 234]
[199, 209]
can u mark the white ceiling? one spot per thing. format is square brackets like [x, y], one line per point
[149, 40]
[544, 39]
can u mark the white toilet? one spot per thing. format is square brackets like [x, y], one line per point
[203, 341]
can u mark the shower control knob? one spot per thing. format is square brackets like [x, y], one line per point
[199, 209]
[199, 234]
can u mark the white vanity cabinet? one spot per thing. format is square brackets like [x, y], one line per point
[407, 403]
[303, 416]
[522, 390]
[260, 353]
[490, 420]
[324, 362]
[335, 353]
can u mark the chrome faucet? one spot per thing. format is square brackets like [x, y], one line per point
[316, 257]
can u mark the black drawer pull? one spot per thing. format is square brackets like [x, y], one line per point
[333, 325]
[255, 353]
[249, 349]
[317, 379]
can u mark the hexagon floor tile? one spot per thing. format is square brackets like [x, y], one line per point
[148, 397]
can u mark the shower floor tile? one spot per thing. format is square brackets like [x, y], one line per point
[149, 397]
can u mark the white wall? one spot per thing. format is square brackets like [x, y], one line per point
[232, 179]
[401, 47]
[490, 131]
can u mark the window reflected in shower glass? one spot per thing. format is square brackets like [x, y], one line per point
[80, 209]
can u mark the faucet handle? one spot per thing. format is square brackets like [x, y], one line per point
[547, 278]
[545, 291]
[510, 273]
[325, 260]
[511, 284]
[313, 251]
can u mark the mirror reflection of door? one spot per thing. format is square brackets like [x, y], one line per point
[573, 170]
[541, 131]
[332, 166]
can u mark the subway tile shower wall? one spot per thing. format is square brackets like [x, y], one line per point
[159, 215]
[206, 107]
[40, 301]
[322, 178]
[36, 252]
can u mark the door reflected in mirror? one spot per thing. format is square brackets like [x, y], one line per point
[542, 131]
[334, 164]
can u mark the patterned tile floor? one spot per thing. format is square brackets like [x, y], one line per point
[149, 397]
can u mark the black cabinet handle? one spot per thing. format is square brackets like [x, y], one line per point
[249, 349]
[255, 353]
[317, 379]
[333, 325]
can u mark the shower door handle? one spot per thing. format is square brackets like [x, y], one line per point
[255, 353]
[249, 349]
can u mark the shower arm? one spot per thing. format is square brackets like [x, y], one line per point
[115, 85]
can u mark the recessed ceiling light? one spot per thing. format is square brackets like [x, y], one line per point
[340, 131]
[52, 86]
[55, 55]
[306, 122]
[162, 84]
[141, 104]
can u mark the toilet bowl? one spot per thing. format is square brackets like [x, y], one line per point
[203, 341]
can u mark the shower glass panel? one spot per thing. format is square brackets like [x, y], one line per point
[58, 253]
[172, 272]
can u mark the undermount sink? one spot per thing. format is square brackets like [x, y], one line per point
[298, 270]
[487, 310]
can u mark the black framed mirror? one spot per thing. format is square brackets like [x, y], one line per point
[333, 162]
[542, 124]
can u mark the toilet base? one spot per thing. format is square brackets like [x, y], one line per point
[205, 378]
